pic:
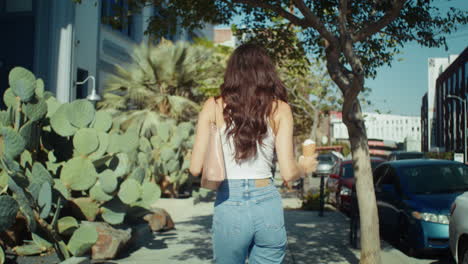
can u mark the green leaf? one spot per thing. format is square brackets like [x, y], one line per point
[9, 98]
[22, 83]
[78, 174]
[113, 212]
[44, 200]
[60, 122]
[41, 242]
[13, 142]
[67, 225]
[88, 207]
[103, 121]
[96, 193]
[82, 240]
[28, 250]
[39, 88]
[8, 210]
[108, 181]
[103, 145]
[86, 141]
[130, 191]
[80, 113]
[2, 256]
[35, 110]
[150, 194]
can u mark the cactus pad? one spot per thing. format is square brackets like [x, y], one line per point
[130, 191]
[35, 110]
[138, 174]
[5, 118]
[88, 207]
[22, 83]
[52, 106]
[108, 181]
[60, 124]
[9, 98]
[103, 121]
[150, 194]
[39, 175]
[44, 200]
[58, 185]
[86, 141]
[113, 212]
[78, 174]
[13, 142]
[67, 225]
[8, 210]
[80, 113]
[82, 240]
[27, 250]
[103, 145]
[119, 164]
[41, 242]
[96, 193]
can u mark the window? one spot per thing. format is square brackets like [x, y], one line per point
[379, 172]
[115, 13]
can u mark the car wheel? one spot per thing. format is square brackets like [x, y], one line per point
[464, 255]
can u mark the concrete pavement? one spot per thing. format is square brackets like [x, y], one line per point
[312, 239]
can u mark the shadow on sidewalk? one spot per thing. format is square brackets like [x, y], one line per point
[314, 239]
[200, 243]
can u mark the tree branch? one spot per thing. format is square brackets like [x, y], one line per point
[371, 28]
[276, 8]
[315, 22]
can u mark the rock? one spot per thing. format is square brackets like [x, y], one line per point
[110, 240]
[159, 220]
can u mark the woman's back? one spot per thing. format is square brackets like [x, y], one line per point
[257, 167]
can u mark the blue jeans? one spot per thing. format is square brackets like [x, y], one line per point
[248, 222]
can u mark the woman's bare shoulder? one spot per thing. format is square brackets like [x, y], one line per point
[280, 108]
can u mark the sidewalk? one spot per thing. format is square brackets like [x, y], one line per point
[312, 239]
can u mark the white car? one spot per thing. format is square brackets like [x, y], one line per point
[458, 229]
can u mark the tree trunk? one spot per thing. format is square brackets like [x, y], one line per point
[315, 124]
[369, 221]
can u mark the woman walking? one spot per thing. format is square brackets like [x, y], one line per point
[255, 119]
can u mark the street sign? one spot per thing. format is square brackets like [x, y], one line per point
[459, 157]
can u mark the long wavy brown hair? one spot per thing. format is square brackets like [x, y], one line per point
[251, 85]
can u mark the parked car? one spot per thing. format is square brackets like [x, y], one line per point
[414, 199]
[328, 164]
[458, 229]
[341, 184]
[402, 155]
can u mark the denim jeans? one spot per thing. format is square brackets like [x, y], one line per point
[248, 222]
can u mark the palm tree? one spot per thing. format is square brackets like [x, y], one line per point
[164, 80]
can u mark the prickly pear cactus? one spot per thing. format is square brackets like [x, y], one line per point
[67, 155]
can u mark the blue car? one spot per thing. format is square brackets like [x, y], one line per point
[414, 199]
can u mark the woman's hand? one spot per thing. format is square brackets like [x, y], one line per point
[308, 163]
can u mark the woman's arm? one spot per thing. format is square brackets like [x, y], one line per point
[290, 170]
[201, 137]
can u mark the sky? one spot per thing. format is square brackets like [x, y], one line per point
[399, 89]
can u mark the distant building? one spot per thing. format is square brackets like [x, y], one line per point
[450, 115]
[225, 37]
[63, 42]
[383, 127]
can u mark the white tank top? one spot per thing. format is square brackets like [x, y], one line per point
[258, 167]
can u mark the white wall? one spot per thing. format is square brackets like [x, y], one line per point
[381, 126]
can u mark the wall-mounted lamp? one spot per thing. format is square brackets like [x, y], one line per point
[94, 96]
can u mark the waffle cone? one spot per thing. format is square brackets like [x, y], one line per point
[308, 150]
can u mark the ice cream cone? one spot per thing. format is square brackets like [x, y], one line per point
[308, 148]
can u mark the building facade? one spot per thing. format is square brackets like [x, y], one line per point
[64, 42]
[451, 98]
[424, 124]
[435, 66]
[397, 128]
